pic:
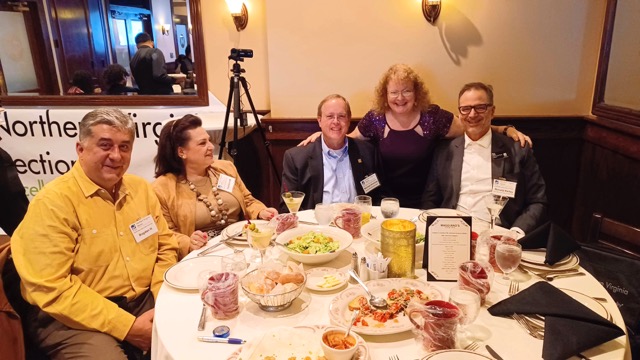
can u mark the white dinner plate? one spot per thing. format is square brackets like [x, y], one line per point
[316, 276]
[440, 212]
[455, 354]
[287, 342]
[340, 314]
[237, 226]
[565, 265]
[589, 302]
[184, 275]
[538, 256]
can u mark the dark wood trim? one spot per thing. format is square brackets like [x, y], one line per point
[201, 99]
[621, 143]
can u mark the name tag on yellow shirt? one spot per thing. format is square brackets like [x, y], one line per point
[226, 183]
[143, 228]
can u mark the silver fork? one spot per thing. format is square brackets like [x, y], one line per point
[528, 327]
[514, 287]
[473, 346]
[394, 357]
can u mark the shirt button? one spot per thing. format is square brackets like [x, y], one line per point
[94, 231]
[121, 233]
[128, 259]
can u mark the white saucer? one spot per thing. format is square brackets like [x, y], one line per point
[315, 276]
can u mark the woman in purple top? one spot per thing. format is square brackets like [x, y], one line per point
[405, 126]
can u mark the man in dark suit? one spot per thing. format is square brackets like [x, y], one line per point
[331, 170]
[12, 195]
[465, 169]
[148, 68]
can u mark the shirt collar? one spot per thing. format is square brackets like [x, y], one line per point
[88, 187]
[484, 141]
[335, 154]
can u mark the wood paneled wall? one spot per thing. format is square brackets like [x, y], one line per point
[588, 167]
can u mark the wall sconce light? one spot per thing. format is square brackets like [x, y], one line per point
[165, 29]
[431, 10]
[239, 13]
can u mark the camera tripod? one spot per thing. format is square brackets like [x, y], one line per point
[234, 95]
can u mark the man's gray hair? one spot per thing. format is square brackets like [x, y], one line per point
[107, 116]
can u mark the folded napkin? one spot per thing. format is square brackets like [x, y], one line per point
[558, 243]
[569, 326]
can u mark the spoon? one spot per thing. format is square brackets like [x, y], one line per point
[353, 319]
[556, 276]
[376, 301]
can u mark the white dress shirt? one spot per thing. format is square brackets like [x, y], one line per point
[338, 185]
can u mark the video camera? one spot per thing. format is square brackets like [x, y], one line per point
[240, 54]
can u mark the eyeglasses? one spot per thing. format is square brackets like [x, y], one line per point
[339, 117]
[405, 93]
[480, 108]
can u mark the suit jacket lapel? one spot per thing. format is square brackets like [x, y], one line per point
[316, 171]
[456, 166]
[357, 167]
[497, 165]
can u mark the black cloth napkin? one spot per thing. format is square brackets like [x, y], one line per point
[569, 326]
[558, 243]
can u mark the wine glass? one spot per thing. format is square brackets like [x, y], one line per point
[235, 263]
[365, 204]
[389, 207]
[260, 238]
[293, 200]
[508, 255]
[495, 204]
[323, 213]
[468, 301]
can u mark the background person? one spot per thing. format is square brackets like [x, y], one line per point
[149, 68]
[330, 170]
[405, 126]
[92, 250]
[464, 170]
[115, 81]
[199, 196]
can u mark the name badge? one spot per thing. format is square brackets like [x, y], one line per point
[370, 182]
[504, 188]
[143, 228]
[225, 183]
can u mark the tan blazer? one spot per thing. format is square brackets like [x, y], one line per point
[179, 202]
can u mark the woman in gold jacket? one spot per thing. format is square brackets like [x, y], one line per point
[199, 196]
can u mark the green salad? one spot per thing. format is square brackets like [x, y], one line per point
[313, 243]
[419, 238]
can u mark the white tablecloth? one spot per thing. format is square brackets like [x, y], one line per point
[177, 313]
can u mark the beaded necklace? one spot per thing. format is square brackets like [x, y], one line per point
[220, 216]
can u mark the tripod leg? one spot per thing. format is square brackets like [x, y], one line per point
[226, 119]
[267, 145]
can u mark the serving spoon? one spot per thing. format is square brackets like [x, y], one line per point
[376, 301]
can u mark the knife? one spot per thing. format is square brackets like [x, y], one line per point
[493, 353]
[221, 242]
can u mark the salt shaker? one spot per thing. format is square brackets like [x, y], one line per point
[354, 265]
[363, 274]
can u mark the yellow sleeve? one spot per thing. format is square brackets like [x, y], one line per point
[43, 251]
[183, 240]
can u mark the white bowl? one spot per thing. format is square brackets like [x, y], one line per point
[343, 237]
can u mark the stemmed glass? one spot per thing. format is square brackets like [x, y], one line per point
[293, 200]
[323, 213]
[260, 238]
[508, 255]
[389, 207]
[365, 203]
[495, 204]
[468, 301]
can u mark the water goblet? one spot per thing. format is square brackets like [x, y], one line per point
[235, 263]
[323, 213]
[495, 204]
[508, 256]
[389, 207]
[260, 238]
[365, 203]
[468, 301]
[293, 200]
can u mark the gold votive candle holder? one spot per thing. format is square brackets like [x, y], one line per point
[398, 242]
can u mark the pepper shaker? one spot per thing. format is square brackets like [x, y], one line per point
[354, 266]
[363, 273]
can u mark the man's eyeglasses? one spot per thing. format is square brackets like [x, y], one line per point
[480, 108]
[405, 93]
[339, 117]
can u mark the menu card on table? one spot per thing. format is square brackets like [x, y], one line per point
[447, 245]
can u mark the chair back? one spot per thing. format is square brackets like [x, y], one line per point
[614, 235]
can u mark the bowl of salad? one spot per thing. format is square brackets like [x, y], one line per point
[314, 244]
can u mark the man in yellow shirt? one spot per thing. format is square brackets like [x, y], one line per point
[92, 250]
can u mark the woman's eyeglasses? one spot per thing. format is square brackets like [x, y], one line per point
[480, 108]
[405, 93]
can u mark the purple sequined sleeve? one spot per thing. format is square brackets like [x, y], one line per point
[435, 122]
[372, 126]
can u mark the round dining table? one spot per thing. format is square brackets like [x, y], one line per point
[177, 313]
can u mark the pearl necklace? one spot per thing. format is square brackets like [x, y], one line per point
[220, 216]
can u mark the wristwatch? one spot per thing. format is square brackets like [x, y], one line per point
[506, 128]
